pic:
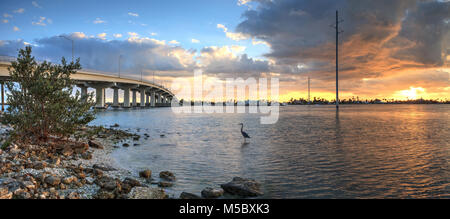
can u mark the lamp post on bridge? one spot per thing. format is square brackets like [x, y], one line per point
[67, 38]
[120, 56]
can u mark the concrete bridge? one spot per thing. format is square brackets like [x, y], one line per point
[151, 94]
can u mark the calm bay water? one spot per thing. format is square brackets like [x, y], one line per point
[364, 151]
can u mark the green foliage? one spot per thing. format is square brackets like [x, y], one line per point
[41, 100]
[5, 144]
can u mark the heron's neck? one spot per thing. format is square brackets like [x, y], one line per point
[242, 127]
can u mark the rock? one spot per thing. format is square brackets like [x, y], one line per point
[40, 165]
[242, 187]
[4, 193]
[103, 167]
[67, 151]
[108, 183]
[86, 156]
[52, 180]
[147, 193]
[95, 144]
[136, 138]
[89, 180]
[126, 145]
[98, 172]
[29, 185]
[73, 195]
[145, 173]
[187, 195]
[115, 125]
[209, 192]
[169, 176]
[102, 194]
[165, 184]
[68, 180]
[132, 182]
[80, 148]
[57, 161]
[135, 144]
[8, 195]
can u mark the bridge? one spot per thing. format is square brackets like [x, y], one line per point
[151, 94]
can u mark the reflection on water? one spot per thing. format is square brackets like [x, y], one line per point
[362, 151]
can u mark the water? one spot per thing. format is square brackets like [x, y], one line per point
[364, 151]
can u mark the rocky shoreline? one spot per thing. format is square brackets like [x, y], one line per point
[81, 168]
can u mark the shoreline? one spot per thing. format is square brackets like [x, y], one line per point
[82, 168]
[89, 173]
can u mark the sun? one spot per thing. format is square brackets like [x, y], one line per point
[412, 93]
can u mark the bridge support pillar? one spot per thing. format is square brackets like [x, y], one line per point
[84, 92]
[126, 97]
[134, 98]
[161, 98]
[116, 98]
[153, 99]
[142, 92]
[147, 99]
[99, 97]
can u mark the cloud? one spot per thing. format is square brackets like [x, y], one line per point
[133, 34]
[146, 53]
[102, 36]
[195, 41]
[6, 15]
[153, 34]
[231, 35]
[5, 21]
[98, 21]
[174, 42]
[43, 21]
[224, 62]
[117, 35]
[19, 11]
[133, 14]
[35, 4]
[16, 29]
[381, 37]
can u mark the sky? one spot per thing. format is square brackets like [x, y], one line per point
[388, 49]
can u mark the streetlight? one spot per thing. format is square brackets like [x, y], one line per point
[67, 38]
[120, 56]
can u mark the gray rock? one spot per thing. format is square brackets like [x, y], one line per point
[53, 180]
[209, 192]
[187, 195]
[165, 184]
[242, 187]
[145, 173]
[132, 182]
[169, 176]
[95, 144]
[103, 167]
[147, 193]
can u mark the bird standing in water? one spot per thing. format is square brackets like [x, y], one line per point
[244, 134]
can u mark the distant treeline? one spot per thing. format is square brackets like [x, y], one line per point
[314, 101]
[302, 101]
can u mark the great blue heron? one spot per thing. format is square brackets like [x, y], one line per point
[244, 134]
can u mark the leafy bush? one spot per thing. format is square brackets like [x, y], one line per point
[41, 100]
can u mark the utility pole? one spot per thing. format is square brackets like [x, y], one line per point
[337, 56]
